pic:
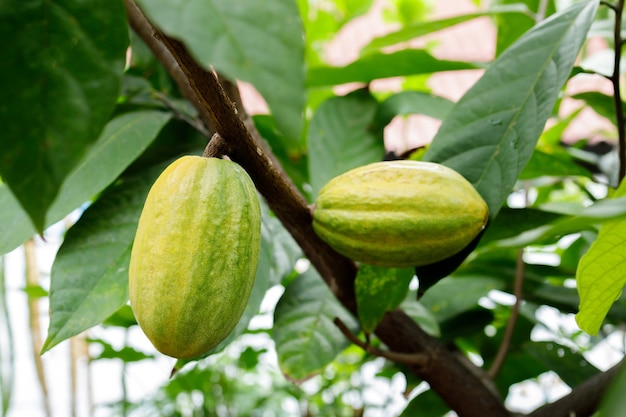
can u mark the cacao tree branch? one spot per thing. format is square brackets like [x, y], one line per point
[583, 400]
[457, 382]
[416, 359]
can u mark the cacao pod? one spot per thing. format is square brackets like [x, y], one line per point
[399, 213]
[195, 255]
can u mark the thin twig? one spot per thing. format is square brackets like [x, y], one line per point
[510, 326]
[609, 5]
[617, 99]
[418, 359]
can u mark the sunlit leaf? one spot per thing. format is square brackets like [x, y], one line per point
[601, 273]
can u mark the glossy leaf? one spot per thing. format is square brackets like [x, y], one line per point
[601, 273]
[258, 42]
[306, 338]
[379, 290]
[340, 137]
[122, 141]
[382, 65]
[89, 278]
[62, 72]
[491, 132]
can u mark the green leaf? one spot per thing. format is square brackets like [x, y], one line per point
[452, 296]
[126, 353]
[340, 137]
[381, 65]
[512, 222]
[601, 103]
[379, 290]
[552, 164]
[491, 132]
[89, 277]
[420, 314]
[426, 404]
[258, 42]
[421, 28]
[413, 102]
[306, 338]
[571, 366]
[601, 273]
[511, 26]
[581, 219]
[61, 72]
[122, 141]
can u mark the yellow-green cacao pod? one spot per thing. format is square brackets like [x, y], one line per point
[399, 213]
[195, 255]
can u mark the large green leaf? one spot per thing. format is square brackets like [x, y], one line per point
[61, 74]
[382, 65]
[340, 137]
[306, 338]
[122, 141]
[379, 290]
[254, 41]
[89, 277]
[491, 132]
[601, 274]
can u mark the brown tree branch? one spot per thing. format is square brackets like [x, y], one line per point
[584, 399]
[463, 386]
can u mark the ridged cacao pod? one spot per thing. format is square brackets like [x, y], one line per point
[195, 255]
[399, 213]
